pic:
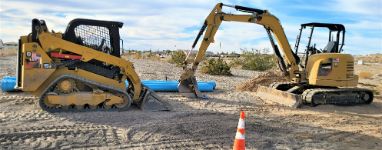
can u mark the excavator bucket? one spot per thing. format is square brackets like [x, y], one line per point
[189, 88]
[152, 102]
[280, 97]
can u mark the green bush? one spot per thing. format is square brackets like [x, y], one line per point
[151, 56]
[216, 67]
[178, 57]
[255, 60]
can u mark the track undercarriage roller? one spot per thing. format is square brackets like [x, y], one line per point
[85, 98]
[351, 96]
[65, 94]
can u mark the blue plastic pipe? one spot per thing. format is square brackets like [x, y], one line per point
[172, 85]
[8, 84]
[212, 83]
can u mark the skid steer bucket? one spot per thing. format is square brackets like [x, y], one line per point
[152, 102]
[277, 96]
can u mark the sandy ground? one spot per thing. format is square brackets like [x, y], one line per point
[193, 124]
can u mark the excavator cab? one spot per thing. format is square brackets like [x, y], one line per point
[314, 44]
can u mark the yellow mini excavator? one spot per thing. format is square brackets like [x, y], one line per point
[80, 68]
[325, 77]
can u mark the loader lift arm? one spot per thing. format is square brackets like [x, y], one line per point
[288, 64]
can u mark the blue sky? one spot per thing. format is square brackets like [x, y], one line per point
[173, 24]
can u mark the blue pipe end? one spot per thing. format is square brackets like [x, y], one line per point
[8, 84]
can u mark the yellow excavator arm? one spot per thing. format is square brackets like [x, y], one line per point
[288, 63]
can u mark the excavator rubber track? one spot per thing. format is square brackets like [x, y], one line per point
[340, 96]
[315, 96]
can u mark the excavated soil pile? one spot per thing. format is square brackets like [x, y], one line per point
[263, 79]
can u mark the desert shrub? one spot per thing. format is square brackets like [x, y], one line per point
[365, 75]
[177, 57]
[152, 56]
[236, 63]
[132, 54]
[216, 67]
[255, 60]
[136, 55]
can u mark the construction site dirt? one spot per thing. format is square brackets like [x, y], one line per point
[193, 123]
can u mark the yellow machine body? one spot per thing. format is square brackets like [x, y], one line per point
[331, 69]
[70, 72]
[36, 78]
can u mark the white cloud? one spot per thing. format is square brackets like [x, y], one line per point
[357, 44]
[367, 7]
[365, 25]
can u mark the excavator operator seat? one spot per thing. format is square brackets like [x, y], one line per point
[331, 47]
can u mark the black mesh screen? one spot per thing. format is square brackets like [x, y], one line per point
[94, 37]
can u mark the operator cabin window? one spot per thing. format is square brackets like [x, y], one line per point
[94, 37]
[319, 41]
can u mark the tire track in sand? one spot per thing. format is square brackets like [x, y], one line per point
[60, 136]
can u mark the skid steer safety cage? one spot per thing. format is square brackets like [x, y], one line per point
[96, 34]
[94, 37]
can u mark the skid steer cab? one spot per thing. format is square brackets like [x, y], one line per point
[80, 69]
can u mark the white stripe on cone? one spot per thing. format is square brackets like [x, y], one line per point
[241, 124]
[239, 136]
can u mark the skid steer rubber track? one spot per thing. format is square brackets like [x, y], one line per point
[149, 100]
[76, 108]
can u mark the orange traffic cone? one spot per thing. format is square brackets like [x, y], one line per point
[239, 143]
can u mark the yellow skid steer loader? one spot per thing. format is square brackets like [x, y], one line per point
[81, 69]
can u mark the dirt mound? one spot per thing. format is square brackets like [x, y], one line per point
[263, 79]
